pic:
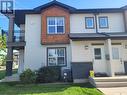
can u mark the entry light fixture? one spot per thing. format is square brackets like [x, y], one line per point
[86, 47]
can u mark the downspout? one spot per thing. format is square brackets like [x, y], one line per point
[96, 26]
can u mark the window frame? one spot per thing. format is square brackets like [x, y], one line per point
[65, 56]
[102, 27]
[87, 27]
[56, 32]
[95, 56]
[116, 53]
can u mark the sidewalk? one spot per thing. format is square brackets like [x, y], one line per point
[114, 91]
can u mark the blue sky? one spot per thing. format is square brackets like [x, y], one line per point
[80, 4]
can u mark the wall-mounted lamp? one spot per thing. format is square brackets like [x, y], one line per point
[86, 47]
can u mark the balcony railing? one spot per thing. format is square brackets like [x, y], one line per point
[19, 36]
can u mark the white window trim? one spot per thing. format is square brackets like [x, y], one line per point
[107, 24]
[89, 27]
[57, 57]
[56, 32]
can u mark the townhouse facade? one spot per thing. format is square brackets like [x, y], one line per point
[81, 40]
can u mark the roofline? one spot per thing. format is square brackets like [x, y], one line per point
[21, 13]
[96, 10]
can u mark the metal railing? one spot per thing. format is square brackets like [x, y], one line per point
[19, 36]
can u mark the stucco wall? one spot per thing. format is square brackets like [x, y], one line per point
[80, 54]
[21, 61]
[115, 20]
[35, 52]
[33, 49]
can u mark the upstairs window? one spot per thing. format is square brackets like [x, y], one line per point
[55, 25]
[89, 22]
[103, 22]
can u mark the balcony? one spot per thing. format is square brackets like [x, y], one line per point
[19, 36]
[18, 40]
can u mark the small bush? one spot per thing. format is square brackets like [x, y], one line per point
[28, 76]
[48, 74]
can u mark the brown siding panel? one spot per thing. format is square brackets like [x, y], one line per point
[55, 38]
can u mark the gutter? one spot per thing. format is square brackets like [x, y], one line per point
[96, 26]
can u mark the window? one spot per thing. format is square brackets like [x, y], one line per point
[115, 53]
[56, 57]
[97, 53]
[103, 22]
[55, 25]
[89, 22]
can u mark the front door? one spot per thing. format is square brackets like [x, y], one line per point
[118, 64]
[99, 62]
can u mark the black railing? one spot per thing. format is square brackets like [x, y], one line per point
[19, 36]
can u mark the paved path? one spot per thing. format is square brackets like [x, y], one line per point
[114, 91]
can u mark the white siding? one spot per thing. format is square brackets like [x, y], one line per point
[33, 48]
[79, 53]
[115, 20]
[35, 52]
[21, 61]
[77, 23]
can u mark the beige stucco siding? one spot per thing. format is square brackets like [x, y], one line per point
[35, 55]
[80, 54]
[115, 20]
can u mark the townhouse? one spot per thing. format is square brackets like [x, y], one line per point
[81, 40]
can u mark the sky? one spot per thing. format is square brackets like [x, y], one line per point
[79, 4]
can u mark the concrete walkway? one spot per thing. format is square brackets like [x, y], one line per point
[114, 91]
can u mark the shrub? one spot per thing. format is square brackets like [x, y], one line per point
[28, 76]
[48, 74]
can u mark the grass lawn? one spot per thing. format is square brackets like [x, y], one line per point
[2, 73]
[15, 88]
[47, 89]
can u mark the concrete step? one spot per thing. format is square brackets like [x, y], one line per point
[110, 84]
[12, 78]
[110, 79]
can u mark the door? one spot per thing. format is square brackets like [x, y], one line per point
[118, 64]
[99, 62]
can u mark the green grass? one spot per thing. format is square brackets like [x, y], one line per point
[15, 88]
[47, 89]
[2, 73]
